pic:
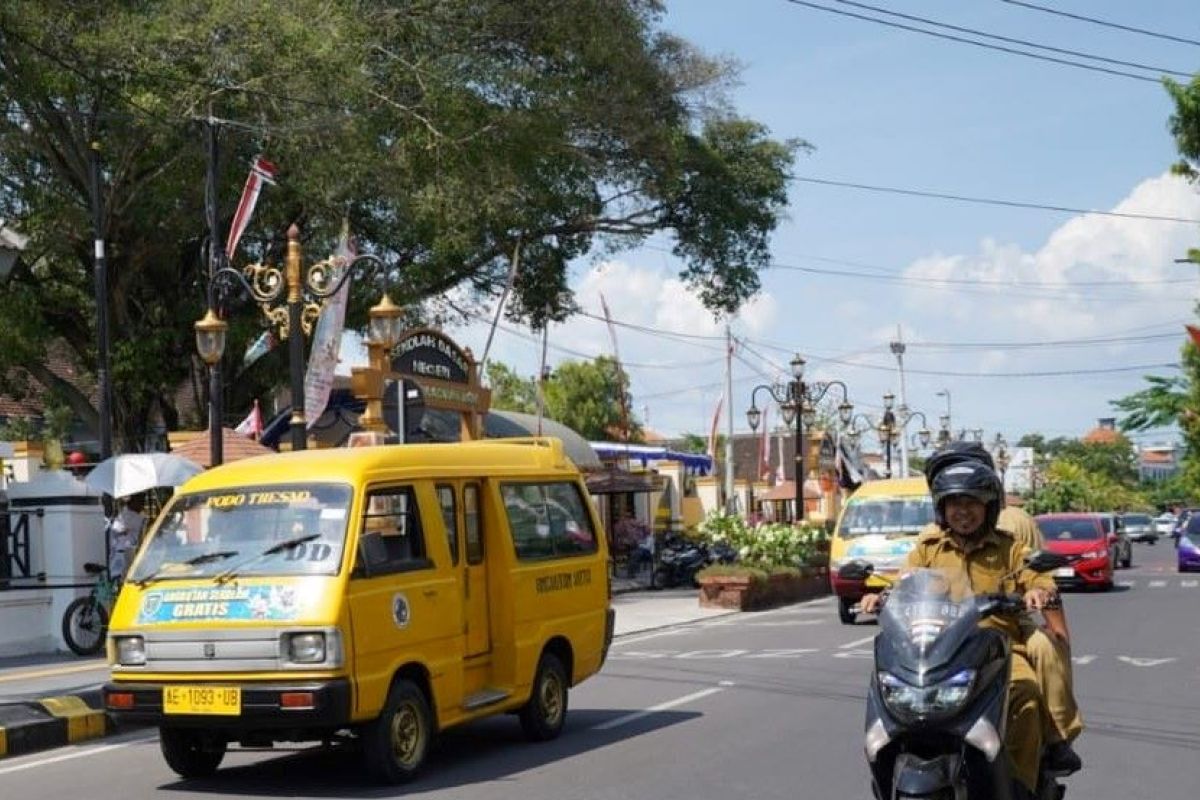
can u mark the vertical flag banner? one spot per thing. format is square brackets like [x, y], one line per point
[327, 339]
[264, 344]
[1194, 332]
[712, 432]
[764, 447]
[261, 171]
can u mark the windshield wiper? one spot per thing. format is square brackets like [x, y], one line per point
[218, 555]
[287, 544]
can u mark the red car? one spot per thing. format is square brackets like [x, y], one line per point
[1081, 538]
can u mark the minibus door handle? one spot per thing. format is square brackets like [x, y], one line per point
[431, 592]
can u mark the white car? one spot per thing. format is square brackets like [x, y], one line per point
[1164, 523]
[1140, 528]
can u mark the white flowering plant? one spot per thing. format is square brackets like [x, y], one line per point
[766, 546]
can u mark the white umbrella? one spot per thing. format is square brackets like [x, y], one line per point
[131, 473]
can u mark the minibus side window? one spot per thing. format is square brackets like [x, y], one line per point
[548, 520]
[393, 538]
[474, 528]
[445, 495]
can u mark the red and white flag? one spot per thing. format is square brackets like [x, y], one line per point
[712, 433]
[261, 171]
[252, 425]
[1194, 332]
[764, 447]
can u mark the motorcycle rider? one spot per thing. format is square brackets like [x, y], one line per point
[967, 498]
[1048, 651]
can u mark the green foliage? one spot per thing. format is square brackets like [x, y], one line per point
[588, 397]
[694, 443]
[511, 392]
[768, 545]
[1115, 461]
[444, 131]
[1069, 486]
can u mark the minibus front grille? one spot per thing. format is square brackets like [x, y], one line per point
[213, 651]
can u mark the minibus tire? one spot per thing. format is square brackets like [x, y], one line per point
[395, 745]
[190, 753]
[543, 716]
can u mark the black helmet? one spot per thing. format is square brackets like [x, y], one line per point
[956, 453]
[972, 478]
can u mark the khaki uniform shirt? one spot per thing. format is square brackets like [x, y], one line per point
[992, 563]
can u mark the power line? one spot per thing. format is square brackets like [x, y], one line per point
[1104, 23]
[991, 201]
[985, 45]
[1010, 40]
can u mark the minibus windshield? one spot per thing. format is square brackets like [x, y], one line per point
[204, 534]
[887, 515]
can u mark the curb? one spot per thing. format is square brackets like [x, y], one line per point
[49, 722]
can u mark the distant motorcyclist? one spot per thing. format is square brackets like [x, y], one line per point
[967, 498]
[1048, 651]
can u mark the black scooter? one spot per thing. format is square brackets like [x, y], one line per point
[679, 562]
[938, 700]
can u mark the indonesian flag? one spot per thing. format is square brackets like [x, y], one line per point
[1194, 332]
[261, 171]
[252, 425]
[712, 432]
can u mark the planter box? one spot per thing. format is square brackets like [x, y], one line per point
[745, 593]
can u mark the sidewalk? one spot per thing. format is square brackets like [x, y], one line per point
[54, 699]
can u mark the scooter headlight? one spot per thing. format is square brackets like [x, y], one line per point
[923, 701]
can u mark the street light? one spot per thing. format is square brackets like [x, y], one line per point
[266, 284]
[798, 401]
[890, 427]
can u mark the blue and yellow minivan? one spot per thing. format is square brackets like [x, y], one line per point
[378, 594]
[878, 524]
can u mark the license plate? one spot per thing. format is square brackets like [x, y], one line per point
[1064, 572]
[225, 700]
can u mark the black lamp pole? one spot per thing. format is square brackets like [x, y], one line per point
[795, 399]
[216, 453]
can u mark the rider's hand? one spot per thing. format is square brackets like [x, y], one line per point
[1036, 599]
[870, 603]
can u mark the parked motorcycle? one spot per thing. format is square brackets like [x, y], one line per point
[680, 560]
[938, 698]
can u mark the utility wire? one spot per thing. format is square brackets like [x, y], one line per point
[1030, 345]
[985, 45]
[1168, 37]
[1010, 40]
[991, 200]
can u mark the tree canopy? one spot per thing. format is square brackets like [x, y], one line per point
[450, 133]
[590, 397]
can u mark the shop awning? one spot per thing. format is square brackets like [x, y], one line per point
[618, 482]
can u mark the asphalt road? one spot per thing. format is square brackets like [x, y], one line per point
[765, 705]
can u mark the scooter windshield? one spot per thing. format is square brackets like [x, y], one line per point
[924, 611]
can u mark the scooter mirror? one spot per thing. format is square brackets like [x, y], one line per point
[1045, 561]
[855, 571]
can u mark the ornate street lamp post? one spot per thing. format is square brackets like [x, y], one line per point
[294, 318]
[798, 401]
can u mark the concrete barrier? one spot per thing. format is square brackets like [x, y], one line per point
[48, 722]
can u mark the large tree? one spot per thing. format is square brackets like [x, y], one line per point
[451, 133]
[1175, 400]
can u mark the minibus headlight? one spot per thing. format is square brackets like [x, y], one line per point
[131, 651]
[305, 648]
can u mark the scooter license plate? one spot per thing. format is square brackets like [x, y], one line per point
[1064, 572]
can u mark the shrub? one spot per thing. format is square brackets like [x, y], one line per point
[768, 545]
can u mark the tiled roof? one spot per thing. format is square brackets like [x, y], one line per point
[234, 447]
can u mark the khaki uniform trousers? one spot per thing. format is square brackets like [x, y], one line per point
[1026, 720]
[1051, 662]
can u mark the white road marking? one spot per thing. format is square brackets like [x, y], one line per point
[795, 652]
[854, 654]
[678, 701]
[1083, 659]
[655, 635]
[1144, 662]
[782, 623]
[1189, 584]
[856, 642]
[712, 654]
[1157, 584]
[82, 752]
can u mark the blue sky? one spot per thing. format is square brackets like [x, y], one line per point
[894, 108]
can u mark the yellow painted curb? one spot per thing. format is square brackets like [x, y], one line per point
[83, 721]
[3, 743]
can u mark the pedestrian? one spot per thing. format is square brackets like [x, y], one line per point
[125, 532]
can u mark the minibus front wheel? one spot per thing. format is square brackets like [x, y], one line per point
[543, 716]
[395, 745]
[191, 753]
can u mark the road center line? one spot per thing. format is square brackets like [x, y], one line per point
[678, 701]
[856, 642]
[20, 675]
[81, 753]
